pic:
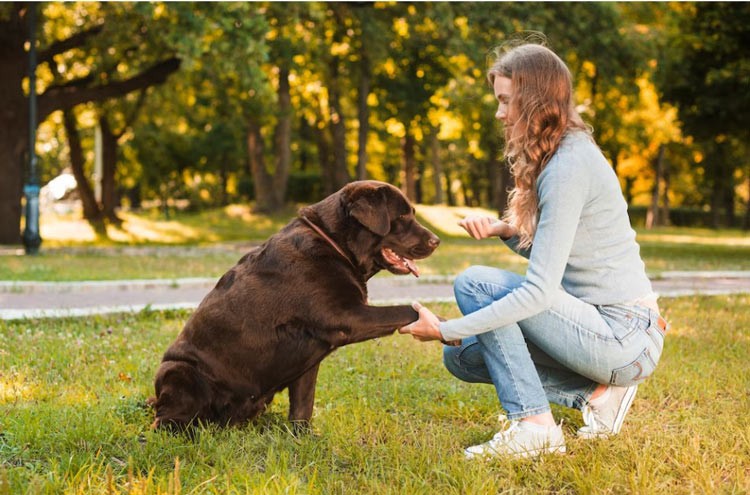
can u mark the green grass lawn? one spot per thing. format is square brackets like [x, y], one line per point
[206, 244]
[388, 419]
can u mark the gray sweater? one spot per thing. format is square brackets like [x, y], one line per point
[583, 243]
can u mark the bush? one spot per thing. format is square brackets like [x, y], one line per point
[684, 216]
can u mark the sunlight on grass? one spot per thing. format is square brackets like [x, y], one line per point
[66, 230]
[15, 386]
[139, 229]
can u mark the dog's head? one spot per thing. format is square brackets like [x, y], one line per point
[376, 223]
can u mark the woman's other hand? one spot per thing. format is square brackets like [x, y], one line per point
[482, 227]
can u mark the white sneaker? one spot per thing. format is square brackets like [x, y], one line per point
[603, 416]
[521, 439]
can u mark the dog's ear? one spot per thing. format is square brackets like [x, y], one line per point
[371, 210]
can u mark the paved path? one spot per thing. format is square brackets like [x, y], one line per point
[49, 299]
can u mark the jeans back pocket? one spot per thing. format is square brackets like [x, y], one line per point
[635, 372]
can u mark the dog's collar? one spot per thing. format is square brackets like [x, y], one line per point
[327, 238]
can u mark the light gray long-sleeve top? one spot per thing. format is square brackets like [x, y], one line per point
[583, 244]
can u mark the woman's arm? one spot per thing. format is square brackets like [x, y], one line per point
[563, 189]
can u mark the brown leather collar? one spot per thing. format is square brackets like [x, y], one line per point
[328, 239]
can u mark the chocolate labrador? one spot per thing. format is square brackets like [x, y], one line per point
[286, 305]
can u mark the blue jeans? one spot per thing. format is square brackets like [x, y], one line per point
[560, 355]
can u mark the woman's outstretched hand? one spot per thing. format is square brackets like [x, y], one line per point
[482, 227]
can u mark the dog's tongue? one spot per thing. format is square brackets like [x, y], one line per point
[411, 266]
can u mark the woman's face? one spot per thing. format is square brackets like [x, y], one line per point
[503, 87]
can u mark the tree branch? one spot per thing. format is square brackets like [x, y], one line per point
[63, 46]
[70, 95]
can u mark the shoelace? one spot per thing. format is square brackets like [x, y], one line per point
[507, 434]
[589, 419]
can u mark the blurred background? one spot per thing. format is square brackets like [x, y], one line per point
[192, 106]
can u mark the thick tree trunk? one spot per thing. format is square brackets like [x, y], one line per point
[14, 122]
[91, 211]
[11, 185]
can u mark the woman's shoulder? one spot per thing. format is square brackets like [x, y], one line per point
[573, 159]
[575, 140]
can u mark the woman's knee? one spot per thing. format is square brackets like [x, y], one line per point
[478, 286]
[465, 362]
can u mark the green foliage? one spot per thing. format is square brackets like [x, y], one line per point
[426, 66]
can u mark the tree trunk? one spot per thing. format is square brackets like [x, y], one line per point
[652, 216]
[13, 140]
[338, 130]
[91, 211]
[722, 191]
[14, 121]
[327, 170]
[262, 183]
[408, 183]
[437, 166]
[109, 167]
[363, 113]
[664, 211]
[449, 199]
[500, 179]
[283, 139]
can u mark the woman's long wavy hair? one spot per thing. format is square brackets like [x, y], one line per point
[543, 112]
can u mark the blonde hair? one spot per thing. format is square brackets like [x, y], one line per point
[544, 111]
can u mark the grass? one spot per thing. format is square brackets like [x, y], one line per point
[206, 244]
[388, 419]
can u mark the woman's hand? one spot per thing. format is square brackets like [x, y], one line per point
[426, 328]
[482, 227]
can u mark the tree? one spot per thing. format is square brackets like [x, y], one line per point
[99, 84]
[416, 69]
[705, 63]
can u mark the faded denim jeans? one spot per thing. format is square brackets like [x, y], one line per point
[559, 355]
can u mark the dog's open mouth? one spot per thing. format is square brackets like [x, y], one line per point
[399, 263]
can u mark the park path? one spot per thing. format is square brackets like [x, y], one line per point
[20, 300]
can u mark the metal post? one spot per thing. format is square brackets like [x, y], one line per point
[31, 237]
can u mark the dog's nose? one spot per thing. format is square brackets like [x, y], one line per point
[434, 241]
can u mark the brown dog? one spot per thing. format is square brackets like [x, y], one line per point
[286, 305]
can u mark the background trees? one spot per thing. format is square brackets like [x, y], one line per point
[220, 102]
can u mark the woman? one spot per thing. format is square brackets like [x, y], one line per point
[582, 328]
